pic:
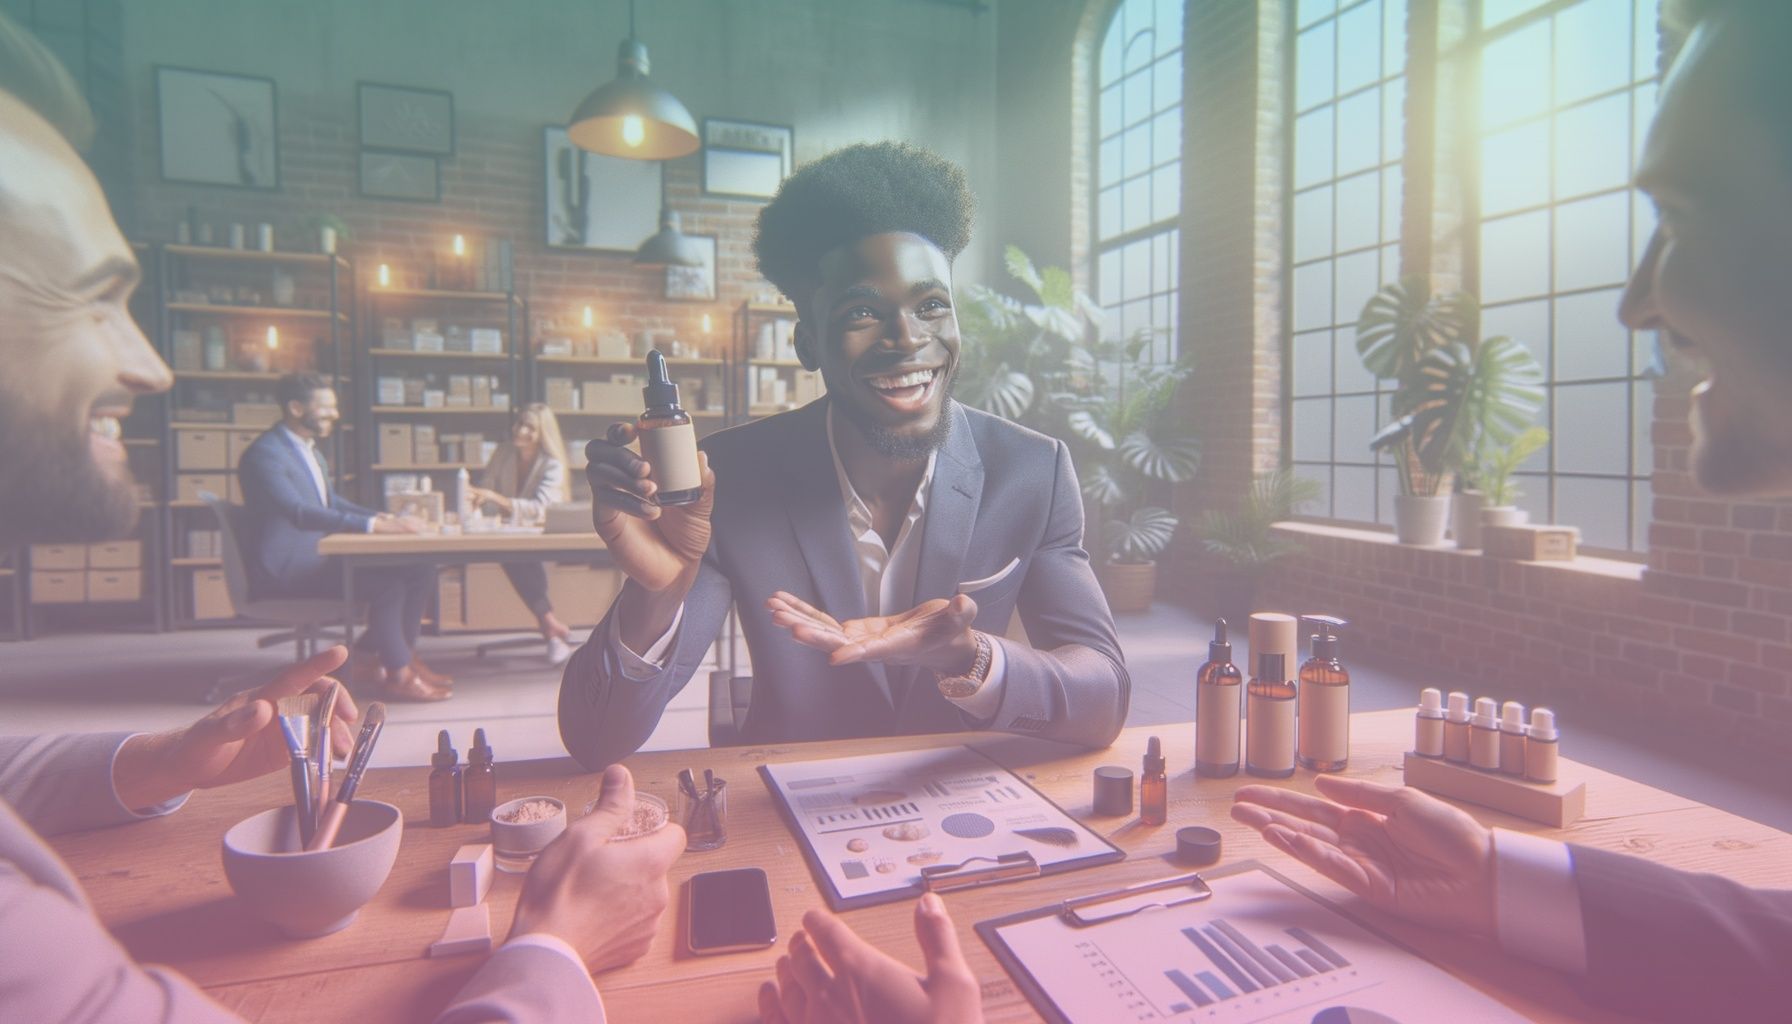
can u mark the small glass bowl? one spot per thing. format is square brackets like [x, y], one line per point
[651, 815]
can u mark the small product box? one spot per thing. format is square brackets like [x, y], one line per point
[413, 390]
[429, 341]
[188, 350]
[488, 341]
[424, 447]
[390, 391]
[482, 392]
[394, 334]
[454, 339]
[561, 394]
[396, 444]
[460, 391]
[608, 396]
[435, 398]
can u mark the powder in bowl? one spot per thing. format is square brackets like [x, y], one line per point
[649, 816]
[531, 811]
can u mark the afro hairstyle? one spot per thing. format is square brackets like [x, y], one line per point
[852, 193]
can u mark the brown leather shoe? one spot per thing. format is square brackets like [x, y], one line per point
[407, 685]
[429, 675]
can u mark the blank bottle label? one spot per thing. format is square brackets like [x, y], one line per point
[1216, 724]
[1269, 729]
[1324, 723]
[672, 452]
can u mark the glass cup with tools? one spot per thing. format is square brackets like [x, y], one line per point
[702, 810]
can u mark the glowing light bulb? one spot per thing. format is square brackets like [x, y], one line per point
[706, 326]
[385, 276]
[590, 319]
[273, 337]
[634, 130]
[460, 245]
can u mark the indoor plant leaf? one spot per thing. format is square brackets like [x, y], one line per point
[1021, 268]
[1141, 537]
[1402, 322]
[1174, 459]
[1102, 487]
[1085, 425]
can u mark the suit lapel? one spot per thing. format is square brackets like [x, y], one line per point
[817, 512]
[953, 501]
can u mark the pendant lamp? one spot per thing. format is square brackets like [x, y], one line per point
[631, 117]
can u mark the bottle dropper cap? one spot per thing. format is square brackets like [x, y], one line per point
[1543, 725]
[1220, 648]
[1154, 757]
[1512, 717]
[481, 750]
[1431, 702]
[1458, 707]
[1487, 713]
[445, 756]
[660, 391]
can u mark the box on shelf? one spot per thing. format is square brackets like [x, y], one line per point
[487, 340]
[435, 398]
[500, 399]
[211, 595]
[613, 345]
[808, 387]
[58, 556]
[1530, 543]
[425, 449]
[201, 449]
[389, 391]
[460, 390]
[413, 390]
[58, 586]
[188, 485]
[114, 585]
[396, 444]
[205, 544]
[254, 414]
[454, 339]
[116, 554]
[189, 349]
[611, 397]
[394, 333]
[239, 442]
[560, 393]
[482, 392]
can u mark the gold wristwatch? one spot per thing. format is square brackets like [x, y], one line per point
[960, 687]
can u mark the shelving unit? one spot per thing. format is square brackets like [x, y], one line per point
[15, 584]
[771, 379]
[232, 323]
[422, 349]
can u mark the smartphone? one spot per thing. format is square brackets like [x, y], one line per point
[729, 912]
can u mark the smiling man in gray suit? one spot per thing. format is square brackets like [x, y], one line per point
[877, 541]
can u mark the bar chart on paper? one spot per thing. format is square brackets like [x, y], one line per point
[1258, 951]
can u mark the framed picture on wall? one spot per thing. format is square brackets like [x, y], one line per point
[217, 128]
[396, 117]
[696, 284]
[412, 177]
[745, 160]
[597, 203]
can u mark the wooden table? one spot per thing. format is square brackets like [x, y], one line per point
[160, 887]
[361, 550]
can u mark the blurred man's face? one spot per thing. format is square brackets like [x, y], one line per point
[73, 357]
[316, 416]
[1717, 277]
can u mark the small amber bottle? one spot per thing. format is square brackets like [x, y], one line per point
[1154, 786]
[1269, 720]
[444, 783]
[1218, 686]
[668, 439]
[479, 783]
[1324, 703]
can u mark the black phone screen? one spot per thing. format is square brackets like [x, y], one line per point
[731, 910]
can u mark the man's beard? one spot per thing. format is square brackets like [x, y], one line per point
[319, 428]
[52, 490]
[893, 445]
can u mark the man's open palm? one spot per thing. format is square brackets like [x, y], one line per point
[924, 635]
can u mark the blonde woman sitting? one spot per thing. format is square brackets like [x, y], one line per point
[525, 476]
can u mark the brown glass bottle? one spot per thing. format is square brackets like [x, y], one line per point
[1218, 686]
[1324, 703]
[1269, 720]
[444, 783]
[1154, 786]
[479, 783]
[668, 439]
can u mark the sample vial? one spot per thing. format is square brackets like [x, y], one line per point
[1217, 688]
[1484, 735]
[1540, 746]
[1269, 720]
[668, 438]
[1428, 732]
[1456, 728]
[1154, 786]
[1512, 738]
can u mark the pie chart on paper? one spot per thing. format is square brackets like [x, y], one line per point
[1351, 1015]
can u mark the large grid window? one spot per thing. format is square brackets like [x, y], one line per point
[1138, 173]
[1343, 203]
[1567, 89]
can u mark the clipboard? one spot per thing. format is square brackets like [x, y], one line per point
[996, 866]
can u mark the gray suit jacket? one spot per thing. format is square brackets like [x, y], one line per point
[52, 784]
[999, 492]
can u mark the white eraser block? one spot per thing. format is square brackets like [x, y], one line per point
[470, 875]
[469, 931]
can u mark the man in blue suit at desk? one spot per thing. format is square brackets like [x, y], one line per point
[289, 506]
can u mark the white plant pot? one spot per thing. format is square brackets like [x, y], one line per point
[326, 240]
[1421, 519]
[1503, 515]
[1465, 519]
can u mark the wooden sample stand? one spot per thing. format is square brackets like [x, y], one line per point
[1560, 803]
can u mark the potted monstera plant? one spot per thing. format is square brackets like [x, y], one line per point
[1451, 394]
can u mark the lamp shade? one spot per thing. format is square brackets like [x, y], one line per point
[669, 247]
[633, 118]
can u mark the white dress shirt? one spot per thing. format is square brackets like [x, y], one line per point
[314, 462]
[886, 574]
[1536, 901]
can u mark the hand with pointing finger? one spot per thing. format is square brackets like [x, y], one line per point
[935, 634]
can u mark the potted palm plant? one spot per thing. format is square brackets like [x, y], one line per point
[1244, 541]
[1449, 391]
[1494, 465]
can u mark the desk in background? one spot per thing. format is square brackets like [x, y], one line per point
[159, 884]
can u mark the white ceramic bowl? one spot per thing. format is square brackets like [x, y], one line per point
[525, 840]
[310, 894]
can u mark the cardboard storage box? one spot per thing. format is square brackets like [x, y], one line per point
[255, 414]
[188, 485]
[114, 585]
[396, 441]
[1530, 543]
[211, 595]
[58, 556]
[424, 451]
[609, 396]
[58, 587]
[201, 449]
[118, 554]
[240, 440]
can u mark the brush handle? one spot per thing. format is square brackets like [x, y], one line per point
[327, 827]
[301, 798]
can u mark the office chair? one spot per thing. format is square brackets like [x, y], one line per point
[304, 617]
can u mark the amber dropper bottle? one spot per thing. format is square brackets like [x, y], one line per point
[1218, 686]
[668, 438]
[479, 783]
[444, 783]
[1154, 786]
[1269, 720]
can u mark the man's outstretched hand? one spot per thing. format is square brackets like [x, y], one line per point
[1403, 851]
[935, 634]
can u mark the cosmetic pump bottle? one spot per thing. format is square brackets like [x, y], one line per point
[479, 783]
[1154, 786]
[444, 783]
[1324, 719]
[1484, 735]
[1456, 728]
[1428, 731]
[1269, 720]
[1218, 686]
[1512, 738]
[1540, 746]
[668, 438]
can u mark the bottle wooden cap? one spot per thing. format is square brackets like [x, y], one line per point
[1274, 633]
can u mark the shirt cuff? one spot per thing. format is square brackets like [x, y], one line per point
[642, 667]
[1536, 903]
[984, 704]
[544, 940]
[155, 810]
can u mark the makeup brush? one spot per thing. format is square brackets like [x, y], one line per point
[372, 721]
[326, 754]
[295, 721]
